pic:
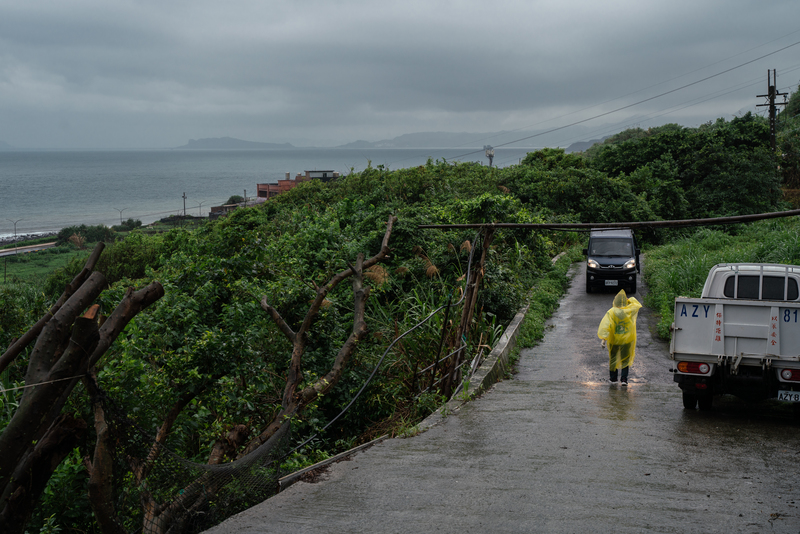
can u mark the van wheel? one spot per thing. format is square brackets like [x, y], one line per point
[588, 286]
[705, 402]
[689, 401]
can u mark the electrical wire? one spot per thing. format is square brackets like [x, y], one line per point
[386, 352]
[638, 102]
[635, 121]
[617, 98]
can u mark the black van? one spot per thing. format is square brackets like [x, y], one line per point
[612, 260]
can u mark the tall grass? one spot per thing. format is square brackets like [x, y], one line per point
[680, 267]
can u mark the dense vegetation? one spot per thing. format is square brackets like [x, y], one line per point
[681, 267]
[209, 340]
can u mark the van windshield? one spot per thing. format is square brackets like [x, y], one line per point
[611, 247]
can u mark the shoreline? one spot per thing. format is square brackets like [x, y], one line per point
[10, 240]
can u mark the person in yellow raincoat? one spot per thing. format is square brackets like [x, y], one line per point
[617, 332]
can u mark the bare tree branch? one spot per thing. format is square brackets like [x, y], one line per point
[278, 320]
[101, 469]
[227, 447]
[131, 304]
[67, 345]
[31, 476]
[28, 420]
[359, 329]
[292, 401]
[18, 346]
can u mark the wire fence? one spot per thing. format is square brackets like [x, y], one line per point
[159, 492]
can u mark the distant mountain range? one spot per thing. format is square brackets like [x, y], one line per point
[428, 140]
[413, 140]
[580, 146]
[464, 140]
[229, 143]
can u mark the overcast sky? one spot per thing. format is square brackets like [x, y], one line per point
[152, 74]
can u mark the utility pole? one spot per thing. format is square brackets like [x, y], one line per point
[245, 198]
[184, 204]
[200, 208]
[489, 153]
[120, 213]
[15, 234]
[772, 93]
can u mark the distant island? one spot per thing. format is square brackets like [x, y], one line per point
[217, 143]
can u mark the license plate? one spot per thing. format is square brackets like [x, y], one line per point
[789, 396]
[612, 282]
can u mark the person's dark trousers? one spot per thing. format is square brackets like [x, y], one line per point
[615, 373]
[620, 354]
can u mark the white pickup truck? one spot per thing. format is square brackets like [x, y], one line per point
[741, 337]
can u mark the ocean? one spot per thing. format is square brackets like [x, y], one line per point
[44, 191]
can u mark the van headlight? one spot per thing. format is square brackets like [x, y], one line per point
[631, 264]
[593, 264]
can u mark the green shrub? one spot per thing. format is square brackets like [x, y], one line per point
[91, 234]
[127, 226]
[680, 268]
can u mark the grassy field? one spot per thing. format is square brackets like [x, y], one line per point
[34, 267]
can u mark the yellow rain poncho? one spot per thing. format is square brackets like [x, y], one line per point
[618, 329]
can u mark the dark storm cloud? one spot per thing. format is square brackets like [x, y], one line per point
[141, 73]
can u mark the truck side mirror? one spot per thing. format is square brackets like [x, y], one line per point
[586, 252]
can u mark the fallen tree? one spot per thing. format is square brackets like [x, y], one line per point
[175, 513]
[69, 341]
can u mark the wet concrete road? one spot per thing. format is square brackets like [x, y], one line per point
[24, 250]
[560, 449]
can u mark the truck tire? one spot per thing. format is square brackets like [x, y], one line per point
[588, 286]
[705, 402]
[689, 401]
[632, 287]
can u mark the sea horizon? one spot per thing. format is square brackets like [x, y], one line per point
[45, 190]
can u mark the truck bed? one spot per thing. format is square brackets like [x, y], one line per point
[752, 332]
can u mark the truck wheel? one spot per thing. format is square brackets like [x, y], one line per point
[588, 286]
[689, 401]
[632, 287]
[705, 402]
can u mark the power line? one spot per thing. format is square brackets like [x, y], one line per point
[617, 98]
[630, 123]
[484, 139]
[679, 107]
[636, 103]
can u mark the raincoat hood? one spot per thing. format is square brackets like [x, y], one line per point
[621, 299]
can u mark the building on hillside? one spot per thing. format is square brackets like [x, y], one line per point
[267, 191]
[325, 176]
[220, 211]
